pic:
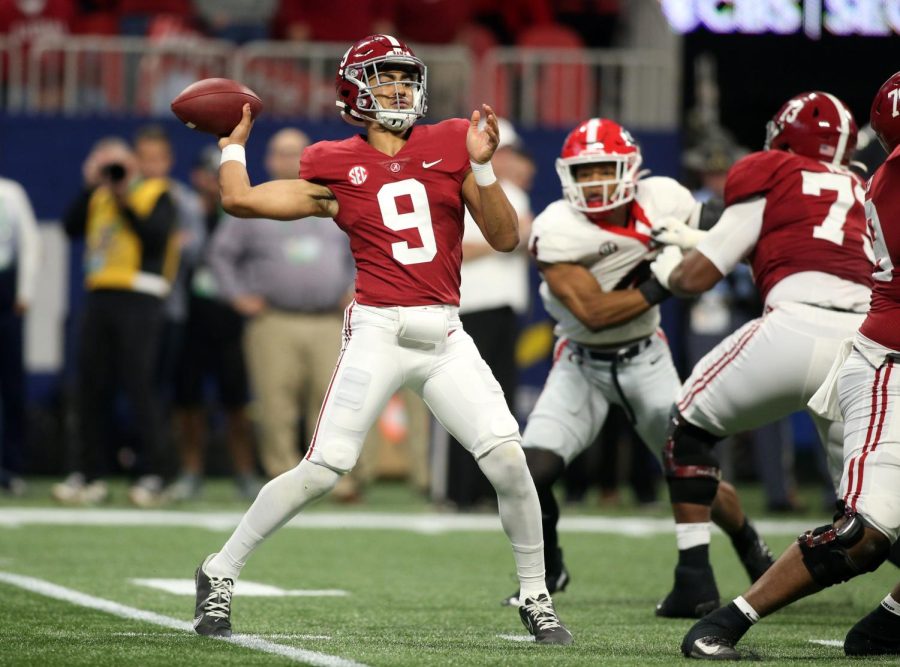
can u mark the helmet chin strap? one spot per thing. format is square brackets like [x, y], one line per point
[396, 122]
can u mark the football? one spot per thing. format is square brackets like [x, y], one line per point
[214, 105]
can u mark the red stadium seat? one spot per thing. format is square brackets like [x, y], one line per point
[565, 89]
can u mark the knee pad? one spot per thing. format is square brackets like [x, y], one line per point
[315, 478]
[338, 450]
[545, 466]
[829, 554]
[692, 470]
[506, 469]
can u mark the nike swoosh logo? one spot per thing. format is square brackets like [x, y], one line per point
[702, 648]
[427, 165]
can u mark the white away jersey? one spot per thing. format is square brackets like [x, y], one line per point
[618, 257]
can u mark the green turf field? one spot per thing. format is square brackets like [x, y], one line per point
[414, 597]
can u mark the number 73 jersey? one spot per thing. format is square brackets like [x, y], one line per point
[403, 213]
[813, 218]
[883, 212]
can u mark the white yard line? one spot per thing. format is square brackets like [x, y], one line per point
[57, 592]
[429, 524]
[827, 642]
[517, 638]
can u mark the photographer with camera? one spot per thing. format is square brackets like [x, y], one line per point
[129, 226]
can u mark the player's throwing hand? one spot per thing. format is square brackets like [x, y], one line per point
[481, 143]
[241, 132]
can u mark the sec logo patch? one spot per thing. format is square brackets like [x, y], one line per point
[358, 175]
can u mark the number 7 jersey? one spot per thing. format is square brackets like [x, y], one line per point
[813, 219]
[403, 214]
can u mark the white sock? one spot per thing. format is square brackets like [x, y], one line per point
[748, 611]
[276, 504]
[891, 605]
[520, 513]
[690, 535]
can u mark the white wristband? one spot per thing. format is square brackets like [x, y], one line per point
[484, 173]
[233, 152]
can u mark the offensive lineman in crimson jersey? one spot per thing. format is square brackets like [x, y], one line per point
[398, 192]
[863, 387]
[795, 212]
[594, 248]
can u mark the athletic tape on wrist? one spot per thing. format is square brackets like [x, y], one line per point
[234, 152]
[484, 173]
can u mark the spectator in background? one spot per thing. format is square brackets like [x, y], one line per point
[493, 293]
[291, 280]
[236, 20]
[155, 159]
[23, 22]
[333, 21]
[211, 349]
[20, 249]
[131, 256]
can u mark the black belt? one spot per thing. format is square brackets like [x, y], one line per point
[833, 308]
[614, 355]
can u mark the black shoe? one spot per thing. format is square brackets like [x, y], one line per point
[714, 637]
[693, 596]
[875, 634]
[539, 616]
[556, 583]
[757, 558]
[212, 615]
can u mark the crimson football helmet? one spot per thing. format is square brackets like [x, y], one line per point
[885, 113]
[599, 140]
[816, 125]
[358, 77]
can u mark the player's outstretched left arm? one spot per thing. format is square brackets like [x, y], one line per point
[279, 199]
[484, 197]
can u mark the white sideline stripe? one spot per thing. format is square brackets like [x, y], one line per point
[517, 638]
[242, 588]
[827, 642]
[428, 524]
[57, 592]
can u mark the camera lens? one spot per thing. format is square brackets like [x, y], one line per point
[114, 172]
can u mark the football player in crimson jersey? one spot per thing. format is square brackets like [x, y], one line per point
[398, 192]
[864, 387]
[795, 212]
[594, 248]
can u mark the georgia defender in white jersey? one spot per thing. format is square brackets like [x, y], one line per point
[594, 249]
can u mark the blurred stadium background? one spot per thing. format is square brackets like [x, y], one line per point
[695, 80]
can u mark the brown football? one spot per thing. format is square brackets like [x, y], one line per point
[214, 105]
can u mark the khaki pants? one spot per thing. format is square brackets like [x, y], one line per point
[290, 359]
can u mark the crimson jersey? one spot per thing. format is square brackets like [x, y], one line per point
[403, 214]
[882, 324]
[813, 218]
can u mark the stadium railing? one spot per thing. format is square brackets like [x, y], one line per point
[90, 75]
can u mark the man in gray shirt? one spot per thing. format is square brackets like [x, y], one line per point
[291, 280]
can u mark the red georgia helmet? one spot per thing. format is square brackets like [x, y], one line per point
[599, 140]
[817, 125]
[885, 113]
[357, 75]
